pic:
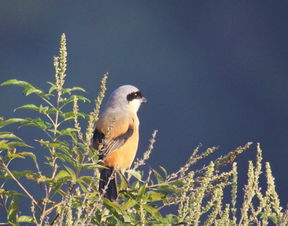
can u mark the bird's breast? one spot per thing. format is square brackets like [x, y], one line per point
[123, 157]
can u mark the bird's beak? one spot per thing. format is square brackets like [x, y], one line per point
[144, 100]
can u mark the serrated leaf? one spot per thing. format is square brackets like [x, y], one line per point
[33, 107]
[8, 135]
[10, 121]
[28, 88]
[28, 106]
[38, 122]
[19, 144]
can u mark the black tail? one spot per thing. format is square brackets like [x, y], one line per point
[110, 190]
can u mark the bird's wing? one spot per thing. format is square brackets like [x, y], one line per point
[111, 137]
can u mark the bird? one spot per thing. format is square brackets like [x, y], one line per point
[116, 136]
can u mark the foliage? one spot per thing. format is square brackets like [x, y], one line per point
[70, 187]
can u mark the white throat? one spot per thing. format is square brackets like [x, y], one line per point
[134, 105]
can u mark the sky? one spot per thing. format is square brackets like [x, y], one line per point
[214, 72]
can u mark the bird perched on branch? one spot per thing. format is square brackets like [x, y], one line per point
[116, 136]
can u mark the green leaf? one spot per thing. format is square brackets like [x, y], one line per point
[10, 193]
[129, 204]
[177, 183]
[152, 196]
[26, 219]
[171, 219]
[15, 155]
[4, 145]
[158, 176]
[12, 211]
[66, 158]
[52, 110]
[72, 173]
[86, 180]
[274, 219]
[68, 132]
[38, 122]
[70, 99]
[166, 189]
[70, 115]
[33, 107]
[10, 121]
[8, 135]
[28, 88]
[69, 90]
[59, 145]
[19, 144]
[135, 173]
[141, 190]
[31, 155]
[87, 166]
[164, 171]
[123, 185]
[62, 174]
[18, 174]
[52, 88]
[115, 209]
[28, 106]
[154, 212]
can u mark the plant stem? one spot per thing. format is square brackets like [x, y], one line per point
[20, 185]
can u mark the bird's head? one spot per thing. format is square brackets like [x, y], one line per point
[127, 96]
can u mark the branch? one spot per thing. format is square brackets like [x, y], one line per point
[20, 185]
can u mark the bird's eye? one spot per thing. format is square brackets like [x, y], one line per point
[134, 95]
[138, 94]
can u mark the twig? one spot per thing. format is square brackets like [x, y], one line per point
[20, 185]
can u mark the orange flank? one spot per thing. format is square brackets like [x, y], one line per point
[123, 157]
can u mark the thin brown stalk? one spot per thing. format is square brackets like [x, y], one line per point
[20, 185]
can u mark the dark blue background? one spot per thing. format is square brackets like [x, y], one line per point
[214, 72]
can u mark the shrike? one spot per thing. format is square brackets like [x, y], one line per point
[116, 135]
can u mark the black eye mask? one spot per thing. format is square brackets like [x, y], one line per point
[134, 95]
